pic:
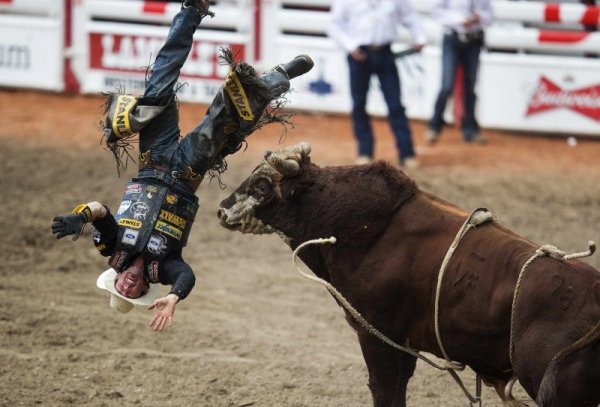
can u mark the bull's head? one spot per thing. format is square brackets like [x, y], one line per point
[263, 190]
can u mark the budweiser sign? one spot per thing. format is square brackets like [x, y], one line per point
[548, 96]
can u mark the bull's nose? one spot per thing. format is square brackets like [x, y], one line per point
[221, 215]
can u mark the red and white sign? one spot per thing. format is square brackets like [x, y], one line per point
[549, 96]
[121, 62]
[130, 53]
[540, 93]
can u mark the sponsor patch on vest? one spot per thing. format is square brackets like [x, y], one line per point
[130, 236]
[136, 224]
[153, 272]
[169, 230]
[125, 204]
[151, 190]
[133, 188]
[157, 244]
[172, 218]
[171, 199]
[236, 93]
[139, 210]
[118, 259]
[191, 208]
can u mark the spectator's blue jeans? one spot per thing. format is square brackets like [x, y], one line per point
[380, 62]
[454, 52]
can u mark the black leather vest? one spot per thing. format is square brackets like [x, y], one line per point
[152, 220]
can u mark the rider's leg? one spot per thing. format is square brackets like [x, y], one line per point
[154, 116]
[160, 133]
[235, 112]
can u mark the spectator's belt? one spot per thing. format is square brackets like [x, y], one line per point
[375, 48]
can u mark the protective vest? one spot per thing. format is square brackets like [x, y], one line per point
[152, 220]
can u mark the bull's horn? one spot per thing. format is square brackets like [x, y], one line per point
[305, 148]
[287, 168]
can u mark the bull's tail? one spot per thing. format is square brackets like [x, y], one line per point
[547, 391]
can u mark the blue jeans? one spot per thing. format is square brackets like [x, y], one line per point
[160, 139]
[454, 52]
[222, 130]
[382, 63]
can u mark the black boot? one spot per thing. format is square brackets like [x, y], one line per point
[200, 5]
[238, 109]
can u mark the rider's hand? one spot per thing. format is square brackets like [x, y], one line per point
[69, 225]
[165, 308]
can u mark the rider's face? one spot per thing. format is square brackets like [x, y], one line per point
[131, 283]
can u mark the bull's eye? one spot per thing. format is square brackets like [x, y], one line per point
[261, 188]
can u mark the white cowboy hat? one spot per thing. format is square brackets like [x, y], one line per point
[106, 281]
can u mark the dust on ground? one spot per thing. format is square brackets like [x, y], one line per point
[253, 332]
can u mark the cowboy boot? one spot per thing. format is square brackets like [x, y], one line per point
[236, 111]
[200, 5]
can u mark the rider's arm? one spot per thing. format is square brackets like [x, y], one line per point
[176, 272]
[104, 228]
[179, 274]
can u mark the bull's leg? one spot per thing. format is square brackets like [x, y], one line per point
[572, 378]
[389, 371]
[577, 381]
[503, 386]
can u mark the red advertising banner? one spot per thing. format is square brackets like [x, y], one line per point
[130, 53]
[549, 96]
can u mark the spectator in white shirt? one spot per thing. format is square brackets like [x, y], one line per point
[365, 29]
[464, 22]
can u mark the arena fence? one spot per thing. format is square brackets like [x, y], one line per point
[539, 72]
[32, 44]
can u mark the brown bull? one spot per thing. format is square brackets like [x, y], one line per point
[391, 240]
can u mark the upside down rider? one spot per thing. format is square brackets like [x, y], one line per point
[145, 238]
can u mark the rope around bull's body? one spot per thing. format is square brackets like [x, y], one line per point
[472, 221]
[477, 217]
[355, 314]
[546, 250]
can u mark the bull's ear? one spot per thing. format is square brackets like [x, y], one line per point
[292, 190]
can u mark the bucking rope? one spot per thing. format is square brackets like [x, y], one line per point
[546, 250]
[477, 217]
[355, 314]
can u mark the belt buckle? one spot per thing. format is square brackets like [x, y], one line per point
[175, 174]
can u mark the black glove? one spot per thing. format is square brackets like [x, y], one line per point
[68, 225]
[71, 224]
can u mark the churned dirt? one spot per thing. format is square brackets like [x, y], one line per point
[253, 332]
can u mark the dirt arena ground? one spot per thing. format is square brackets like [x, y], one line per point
[253, 332]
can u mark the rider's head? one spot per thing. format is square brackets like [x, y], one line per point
[130, 282]
[129, 287]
